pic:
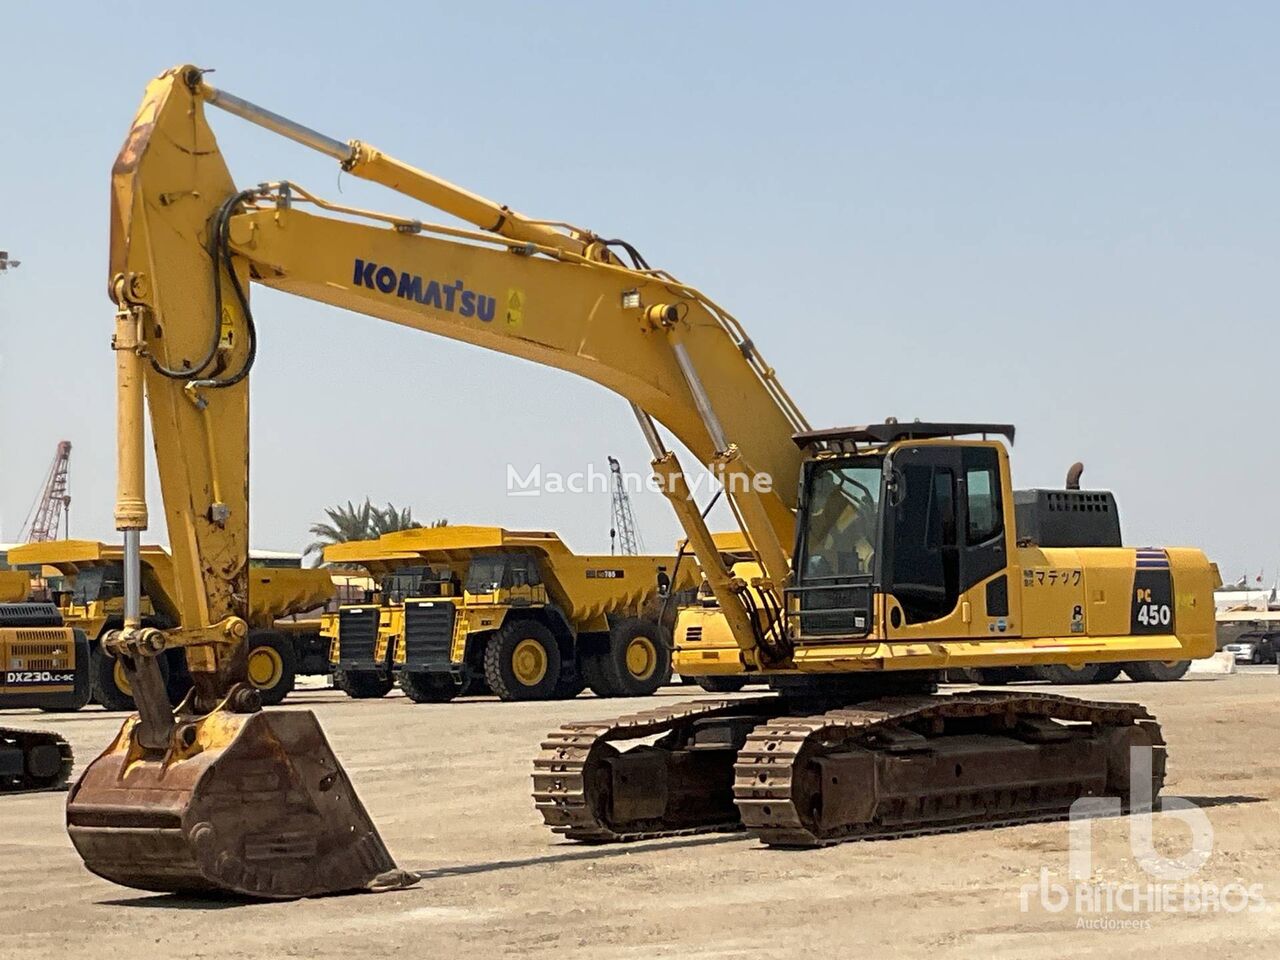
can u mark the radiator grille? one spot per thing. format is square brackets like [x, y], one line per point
[54, 636]
[428, 634]
[56, 653]
[357, 636]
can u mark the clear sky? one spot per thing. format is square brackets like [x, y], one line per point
[1064, 216]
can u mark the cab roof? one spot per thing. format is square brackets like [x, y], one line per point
[893, 431]
[442, 544]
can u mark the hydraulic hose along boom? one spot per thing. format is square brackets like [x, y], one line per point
[218, 795]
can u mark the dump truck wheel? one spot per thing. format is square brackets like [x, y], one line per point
[522, 661]
[1061, 673]
[1107, 672]
[571, 683]
[272, 665]
[721, 684]
[591, 652]
[429, 687]
[1156, 671]
[993, 676]
[178, 684]
[110, 685]
[638, 658]
[474, 684]
[362, 684]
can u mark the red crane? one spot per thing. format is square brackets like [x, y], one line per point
[54, 505]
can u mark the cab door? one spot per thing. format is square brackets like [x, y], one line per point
[985, 587]
[923, 562]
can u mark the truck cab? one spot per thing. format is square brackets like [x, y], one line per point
[372, 582]
[437, 654]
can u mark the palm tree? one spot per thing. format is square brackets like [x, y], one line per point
[361, 522]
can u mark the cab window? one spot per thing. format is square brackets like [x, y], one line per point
[982, 491]
[926, 560]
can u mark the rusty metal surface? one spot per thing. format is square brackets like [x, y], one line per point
[894, 766]
[33, 760]
[589, 791]
[906, 766]
[248, 804]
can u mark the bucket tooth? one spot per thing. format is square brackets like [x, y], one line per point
[257, 805]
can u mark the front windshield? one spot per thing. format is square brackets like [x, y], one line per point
[97, 583]
[840, 528]
[486, 574]
[406, 582]
[502, 572]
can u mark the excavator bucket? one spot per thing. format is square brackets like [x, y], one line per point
[253, 805]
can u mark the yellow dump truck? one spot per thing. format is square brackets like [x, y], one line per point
[89, 594]
[370, 616]
[516, 611]
[15, 585]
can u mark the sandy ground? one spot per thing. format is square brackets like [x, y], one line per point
[448, 787]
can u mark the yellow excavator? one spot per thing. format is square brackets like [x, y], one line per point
[44, 664]
[885, 554]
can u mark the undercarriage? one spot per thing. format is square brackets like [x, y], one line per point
[805, 771]
[33, 760]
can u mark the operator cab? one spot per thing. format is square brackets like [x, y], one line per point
[415, 582]
[914, 514]
[514, 578]
[93, 583]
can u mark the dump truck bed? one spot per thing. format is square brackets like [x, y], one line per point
[586, 587]
[273, 591]
[14, 586]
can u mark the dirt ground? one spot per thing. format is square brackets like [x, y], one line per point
[448, 786]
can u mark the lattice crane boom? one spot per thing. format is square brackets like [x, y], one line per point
[53, 509]
[624, 538]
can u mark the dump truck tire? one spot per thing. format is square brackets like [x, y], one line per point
[110, 687]
[1156, 671]
[522, 661]
[637, 658]
[721, 684]
[429, 687]
[571, 682]
[474, 684]
[1108, 672]
[273, 665]
[993, 676]
[592, 649]
[362, 684]
[1061, 674]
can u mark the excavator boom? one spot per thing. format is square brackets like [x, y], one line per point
[216, 794]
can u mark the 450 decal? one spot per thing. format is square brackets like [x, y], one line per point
[1152, 607]
[1155, 614]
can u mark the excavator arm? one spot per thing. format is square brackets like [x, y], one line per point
[187, 245]
[218, 794]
